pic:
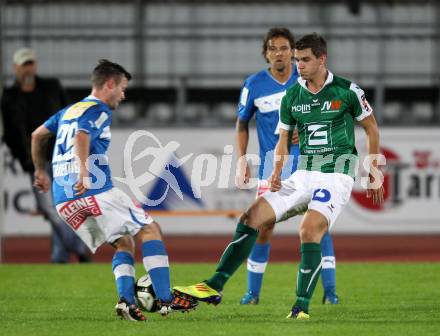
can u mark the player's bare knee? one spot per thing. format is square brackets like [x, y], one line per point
[247, 218]
[308, 232]
[306, 235]
[265, 233]
[311, 233]
[125, 243]
[253, 219]
[267, 228]
[150, 232]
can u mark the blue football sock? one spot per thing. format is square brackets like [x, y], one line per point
[328, 272]
[155, 259]
[256, 265]
[123, 269]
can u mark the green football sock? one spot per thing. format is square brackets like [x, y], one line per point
[308, 274]
[235, 253]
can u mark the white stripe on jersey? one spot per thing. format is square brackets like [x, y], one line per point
[102, 118]
[285, 126]
[244, 96]
[269, 103]
[106, 134]
[365, 106]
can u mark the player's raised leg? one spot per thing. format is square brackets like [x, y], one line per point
[328, 272]
[155, 260]
[258, 215]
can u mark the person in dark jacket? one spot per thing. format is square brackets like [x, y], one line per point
[25, 105]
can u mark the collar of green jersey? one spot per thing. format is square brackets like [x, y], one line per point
[303, 83]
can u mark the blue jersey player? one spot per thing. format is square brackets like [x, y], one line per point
[261, 96]
[86, 199]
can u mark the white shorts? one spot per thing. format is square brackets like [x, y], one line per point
[104, 217]
[326, 193]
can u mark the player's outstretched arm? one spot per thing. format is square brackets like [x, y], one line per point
[38, 146]
[375, 189]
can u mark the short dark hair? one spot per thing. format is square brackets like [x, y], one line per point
[313, 41]
[106, 70]
[277, 32]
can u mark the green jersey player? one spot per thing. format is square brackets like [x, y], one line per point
[323, 107]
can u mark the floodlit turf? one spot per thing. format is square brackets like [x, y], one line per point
[376, 299]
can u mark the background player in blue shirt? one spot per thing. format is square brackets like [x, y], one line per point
[86, 199]
[261, 96]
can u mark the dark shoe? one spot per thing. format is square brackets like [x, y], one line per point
[178, 304]
[129, 311]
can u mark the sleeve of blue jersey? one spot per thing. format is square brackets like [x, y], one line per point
[52, 123]
[93, 120]
[246, 107]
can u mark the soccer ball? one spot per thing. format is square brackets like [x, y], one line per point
[145, 294]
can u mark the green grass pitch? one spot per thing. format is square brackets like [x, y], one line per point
[376, 299]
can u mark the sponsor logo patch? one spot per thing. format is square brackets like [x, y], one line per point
[332, 106]
[76, 212]
[76, 110]
[302, 108]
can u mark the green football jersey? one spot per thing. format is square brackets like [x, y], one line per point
[325, 123]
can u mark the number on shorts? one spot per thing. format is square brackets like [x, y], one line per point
[321, 195]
